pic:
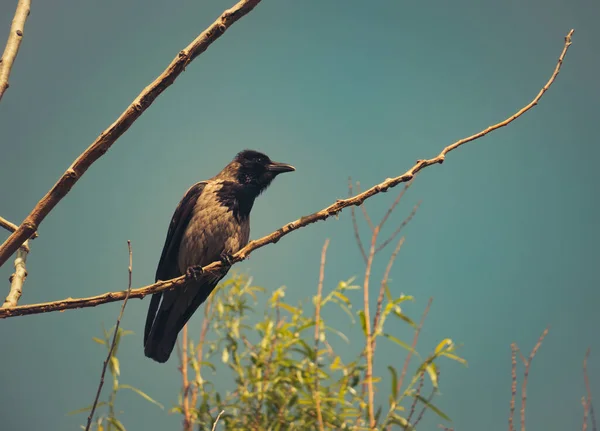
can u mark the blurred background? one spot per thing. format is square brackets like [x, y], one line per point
[505, 239]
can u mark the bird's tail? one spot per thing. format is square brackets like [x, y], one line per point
[174, 312]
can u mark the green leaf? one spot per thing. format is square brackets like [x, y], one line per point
[363, 323]
[116, 422]
[142, 394]
[431, 370]
[114, 366]
[405, 318]
[400, 343]
[289, 308]
[399, 420]
[455, 358]
[225, 356]
[98, 340]
[394, 381]
[444, 344]
[85, 409]
[338, 333]
[434, 408]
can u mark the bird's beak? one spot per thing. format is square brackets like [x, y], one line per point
[280, 167]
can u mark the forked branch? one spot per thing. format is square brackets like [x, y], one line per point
[13, 243]
[103, 142]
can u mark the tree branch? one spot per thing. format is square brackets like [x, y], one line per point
[112, 346]
[14, 42]
[11, 227]
[115, 130]
[273, 237]
[17, 279]
[317, 327]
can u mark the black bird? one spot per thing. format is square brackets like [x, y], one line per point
[210, 223]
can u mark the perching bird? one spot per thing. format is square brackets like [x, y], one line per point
[210, 223]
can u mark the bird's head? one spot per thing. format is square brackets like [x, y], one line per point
[256, 169]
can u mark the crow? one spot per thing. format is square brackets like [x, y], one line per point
[212, 222]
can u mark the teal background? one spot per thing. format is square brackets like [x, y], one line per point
[506, 240]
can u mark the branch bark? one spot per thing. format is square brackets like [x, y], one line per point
[14, 42]
[275, 236]
[17, 279]
[103, 142]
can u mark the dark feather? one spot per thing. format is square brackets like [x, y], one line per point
[168, 266]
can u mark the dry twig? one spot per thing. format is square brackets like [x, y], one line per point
[103, 142]
[27, 228]
[317, 327]
[187, 417]
[12, 45]
[413, 346]
[214, 427]
[17, 279]
[588, 389]
[513, 388]
[112, 346]
[361, 247]
[527, 363]
[11, 227]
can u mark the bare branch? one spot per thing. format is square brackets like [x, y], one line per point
[513, 388]
[588, 389]
[355, 223]
[317, 327]
[395, 204]
[414, 345]
[399, 228]
[526, 375]
[384, 281]
[14, 42]
[112, 346]
[11, 244]
[369, 331]
[17, 279]
[103, 142]
[214, 427]
[364, 209]
[187, 417]
[11, 227]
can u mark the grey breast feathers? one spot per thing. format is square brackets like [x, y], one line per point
[212, 230]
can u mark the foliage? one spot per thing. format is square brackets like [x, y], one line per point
[282, 377]
[108, 421]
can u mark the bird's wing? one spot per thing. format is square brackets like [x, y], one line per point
[168, 264]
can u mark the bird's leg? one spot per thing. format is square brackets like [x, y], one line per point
[227, 259]
[194, 272]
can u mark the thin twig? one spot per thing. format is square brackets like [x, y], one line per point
[103, 142]
[589, 390]
[413, 346]
[364, 209]
[526, 375]
[317, 326]
[13, 242]
[429, 399]
[187, 418]
[14, 42]
[384, 281]
[114, 341]
[395, 203]
[17, 279]
[214, 427]
[369, 332]
[586, 408]
[513, 388]
[413, 405]
[399, 228]
[355, 223]
[200, 349]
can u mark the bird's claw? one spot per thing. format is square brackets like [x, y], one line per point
[227, 259]
[194, 272]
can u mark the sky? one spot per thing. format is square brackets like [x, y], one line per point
[505, 239]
